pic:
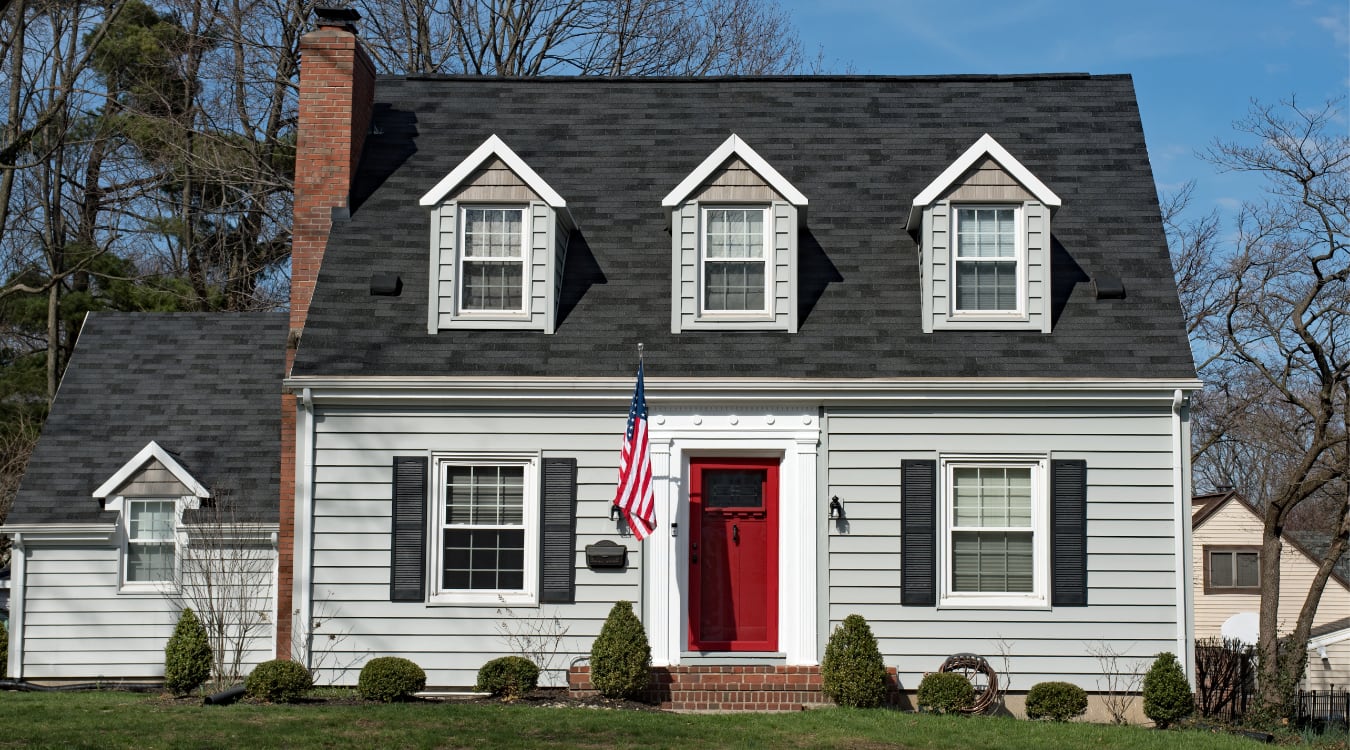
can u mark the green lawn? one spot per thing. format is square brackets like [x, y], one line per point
[130, 720]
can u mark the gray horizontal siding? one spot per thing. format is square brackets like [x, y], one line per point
[1131, 527]
[353, 457]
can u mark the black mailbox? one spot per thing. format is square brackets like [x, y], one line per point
[606, 554]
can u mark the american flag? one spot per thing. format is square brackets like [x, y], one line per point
[634, 496]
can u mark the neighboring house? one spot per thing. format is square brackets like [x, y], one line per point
[944, 301]
[164, 432]
[1226, 553]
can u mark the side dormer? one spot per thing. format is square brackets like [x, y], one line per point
[984, 244]
[498, 244]
[733, 227]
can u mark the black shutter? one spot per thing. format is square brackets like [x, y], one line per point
[558, 532]
[408, 540]
[1068, 533]
[918, 533]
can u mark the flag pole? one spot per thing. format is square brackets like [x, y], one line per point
[644, 606]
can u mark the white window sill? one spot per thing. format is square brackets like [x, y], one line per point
[986, 317]
[147, 589]
[483, 599]
[994, 602]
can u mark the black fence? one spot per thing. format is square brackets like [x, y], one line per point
[1324, 707]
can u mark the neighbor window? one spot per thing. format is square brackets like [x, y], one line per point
[995, 535]
[735, 263]
[1232, 570]
[486, 520]
[150, 541]
[492, 260]
[987, 264]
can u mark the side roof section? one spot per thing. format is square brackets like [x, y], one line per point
[205, 386]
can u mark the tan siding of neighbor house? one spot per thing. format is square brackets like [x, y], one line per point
[1333, 670]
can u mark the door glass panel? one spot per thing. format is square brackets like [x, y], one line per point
[733, 488]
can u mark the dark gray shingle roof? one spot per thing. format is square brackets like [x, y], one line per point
[860, 148]
[205, 386]
[1316, 543]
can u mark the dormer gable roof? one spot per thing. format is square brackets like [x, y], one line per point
[152, 451]
[986, 146]
[734, 147]
[493, 147]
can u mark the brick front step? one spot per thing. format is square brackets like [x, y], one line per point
[729, 688]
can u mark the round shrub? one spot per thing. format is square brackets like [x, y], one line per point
[509, 677]
[390, 678]
[1167, 695]
[945, 693]
[278, 681]
[853, 673]
[621, 658]
[187, 655]
[1056, 701]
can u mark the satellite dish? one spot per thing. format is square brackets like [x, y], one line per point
[1244, 626]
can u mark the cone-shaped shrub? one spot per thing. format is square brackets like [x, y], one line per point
[621, 658]
[1167, 695]
[853, 674]
[187, 655]
[1056, 701]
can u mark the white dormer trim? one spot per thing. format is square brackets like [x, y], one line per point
[734, 146]
[152, 450]
[985, 146]
[493, 146]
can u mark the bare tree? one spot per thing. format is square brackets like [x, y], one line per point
[582, 37]
[1270, 321]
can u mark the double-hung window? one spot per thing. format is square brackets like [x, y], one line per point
[486, 532]
[492, 272]
[151, 545]
[735, 261]
[988, 275]
[1232, 570]
[995, 533]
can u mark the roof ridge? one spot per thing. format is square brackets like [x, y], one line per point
[797, 78]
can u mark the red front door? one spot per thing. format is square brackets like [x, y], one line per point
[733, 554]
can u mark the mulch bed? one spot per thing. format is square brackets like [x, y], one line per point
[541, 698]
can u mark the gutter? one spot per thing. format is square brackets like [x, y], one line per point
[302, 587]
[18, 573]
[1181, 506]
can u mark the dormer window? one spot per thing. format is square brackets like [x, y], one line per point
[984, 244]
[492, 261]
[150, 540]
[734, 223]
[499, 238]
[735, 264]
[987, 278]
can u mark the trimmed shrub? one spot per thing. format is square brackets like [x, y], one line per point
[1167, 695]
[509, 677]
[187, 655]
[853, 673]
[278, 681]
[945, 693]
[390, 678]
[621, 658]
[1056, 701]
[4, 651]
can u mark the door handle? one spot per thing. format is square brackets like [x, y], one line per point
[735, 533]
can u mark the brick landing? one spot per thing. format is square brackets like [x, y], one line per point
[730, 688]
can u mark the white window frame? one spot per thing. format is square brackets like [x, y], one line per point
[767, 312]
[1019, 257]
[1039, 596]
[124, 527]
[461, 250]
[529, 593]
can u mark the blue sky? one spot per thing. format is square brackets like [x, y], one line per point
[1196, 64]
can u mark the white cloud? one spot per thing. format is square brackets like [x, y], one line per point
[1338, 26]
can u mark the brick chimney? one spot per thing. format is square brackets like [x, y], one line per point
[337, 86]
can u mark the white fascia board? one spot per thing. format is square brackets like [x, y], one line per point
[706, 390]
[61, 532]
[985, 146]
[733, 146]
[1326, 639]
[151, 450]
[493, 146]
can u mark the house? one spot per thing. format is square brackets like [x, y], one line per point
[1226, 552]
[912, 350]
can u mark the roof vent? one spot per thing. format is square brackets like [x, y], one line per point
[385, 285]
[1108, 287]
[342, 18]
